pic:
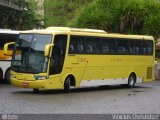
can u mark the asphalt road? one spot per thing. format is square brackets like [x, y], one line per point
[144, 98]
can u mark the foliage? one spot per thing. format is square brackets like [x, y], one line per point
[123, 16]
[61, 12]
[152, 25]
[19, 20]
[28, 20]
[9, 19]
[19, 2]
[152, 21]
[33, 5]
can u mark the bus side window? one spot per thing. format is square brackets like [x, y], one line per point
[147, 47]
[96, 45]
[89, 48]
[80, 44]
[89, 45]
[93, 45]
[2, 40]
[122, 46]
[80, 48]
[135, 46]
[104, 46]
[112, 45]
[72, 46]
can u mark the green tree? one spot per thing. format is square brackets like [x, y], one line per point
[122, 16]
[61, 12]
[29, 20]
[19, 20]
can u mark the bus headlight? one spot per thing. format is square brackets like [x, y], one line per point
[13, 76]
[40, 77]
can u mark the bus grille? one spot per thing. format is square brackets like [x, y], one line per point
[149, 73]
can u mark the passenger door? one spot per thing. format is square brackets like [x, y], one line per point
[58, 54]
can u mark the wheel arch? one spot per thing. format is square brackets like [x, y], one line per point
[134, 74]
[73, 79]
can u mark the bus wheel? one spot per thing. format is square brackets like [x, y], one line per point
[35, 90]
[131, 81]
[7, 76]
[67, 84]
[1, 75]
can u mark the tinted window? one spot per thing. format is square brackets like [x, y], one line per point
[122, 46]
[80, 48]
[93, 45]
[147, 47]
[84, 45]
[2, 40]
[135, 47]
[108, 45]
[76, 44]
[72, 46]
[6, 38]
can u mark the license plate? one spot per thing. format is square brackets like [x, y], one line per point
[25, 84]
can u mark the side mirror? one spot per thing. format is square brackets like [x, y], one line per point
[5, 49]
[47, 49]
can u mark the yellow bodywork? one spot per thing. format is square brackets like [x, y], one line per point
[90, 67]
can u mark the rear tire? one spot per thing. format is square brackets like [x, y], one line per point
[67, 84]
[131, 81]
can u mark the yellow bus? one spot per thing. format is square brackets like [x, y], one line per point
[6, 35]
[61, 58]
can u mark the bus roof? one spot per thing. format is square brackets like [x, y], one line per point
[8, 31]
[76, 29]
[87, 32]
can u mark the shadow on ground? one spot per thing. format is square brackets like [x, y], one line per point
[136, 89]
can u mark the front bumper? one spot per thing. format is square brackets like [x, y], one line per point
[38, 84]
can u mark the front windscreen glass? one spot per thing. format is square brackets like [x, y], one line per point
[28, 55]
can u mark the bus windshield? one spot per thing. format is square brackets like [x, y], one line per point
[28, 54]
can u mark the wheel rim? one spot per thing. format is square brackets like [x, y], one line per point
[67, 84]
[131, 81]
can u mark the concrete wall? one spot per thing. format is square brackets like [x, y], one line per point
[9, 4]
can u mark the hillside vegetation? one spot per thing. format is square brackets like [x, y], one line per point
[61, 12]
[122, 16]
[117, 16]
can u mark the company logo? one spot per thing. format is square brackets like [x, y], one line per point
[9, 117]
[4, 117]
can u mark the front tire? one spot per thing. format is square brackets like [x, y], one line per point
[67, 84]
[131, 81]
[7, 76]
[35, 90]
